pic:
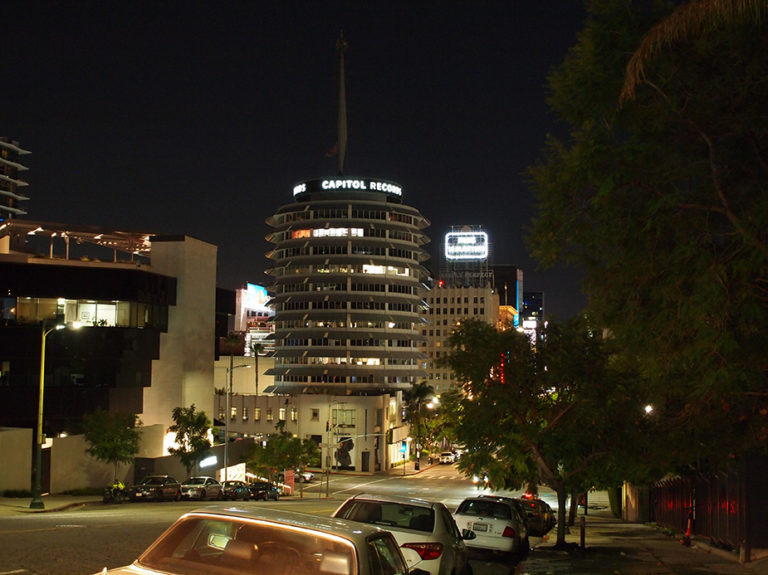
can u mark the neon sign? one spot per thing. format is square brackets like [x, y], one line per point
[466, 246]
[361, 184]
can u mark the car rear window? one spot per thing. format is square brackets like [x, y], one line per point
[223, 546]
[390, 514]
[484, 508]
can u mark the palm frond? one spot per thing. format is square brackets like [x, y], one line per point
[689, 20]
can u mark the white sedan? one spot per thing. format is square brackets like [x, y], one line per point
[424, 526]
[233, 541]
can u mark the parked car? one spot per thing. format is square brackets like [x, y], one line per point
[202, 487]
[424, 526]
[447, 457]
[541, 518]
[264, 490]
[497, 522]
[155, 488]
[234, 489]
[222, 540]
[305, 476]
[299, 476]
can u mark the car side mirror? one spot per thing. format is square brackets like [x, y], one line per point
[468, 534]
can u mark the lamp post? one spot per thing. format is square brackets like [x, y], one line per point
[228, 416]
[37, 502]
[329, 431]
[417, 465]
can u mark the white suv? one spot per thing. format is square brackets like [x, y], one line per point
[447, 457]
[498, 523]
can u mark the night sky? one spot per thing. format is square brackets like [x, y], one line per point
[199, 118]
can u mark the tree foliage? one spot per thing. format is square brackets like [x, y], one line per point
[426, 424]
[555, 413]
[192, 435]
[282, 451]
[662, 201]
[113, 437]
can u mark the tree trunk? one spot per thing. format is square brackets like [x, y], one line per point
[574, 507]
[561, 497]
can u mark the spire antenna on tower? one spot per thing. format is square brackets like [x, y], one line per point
[341, 46]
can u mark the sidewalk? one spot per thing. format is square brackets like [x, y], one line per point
[16, 505]
[615, 547]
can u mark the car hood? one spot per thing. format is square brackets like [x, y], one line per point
[127, 570]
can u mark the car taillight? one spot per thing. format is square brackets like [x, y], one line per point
[508, 532]
[426, 550]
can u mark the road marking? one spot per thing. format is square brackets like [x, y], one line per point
[14, 571]
[359, 485]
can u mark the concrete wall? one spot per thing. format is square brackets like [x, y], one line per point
[183, 375]
[16, 449]
[73, 468]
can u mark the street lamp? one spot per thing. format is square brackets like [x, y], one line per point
[228, 416]
[37, 502]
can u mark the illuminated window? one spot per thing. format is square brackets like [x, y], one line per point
[232, 412]
[256, 413]
[270, 417]
[245, 414]
[344, 417]
[281, 414]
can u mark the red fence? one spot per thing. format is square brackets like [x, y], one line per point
[728, 508]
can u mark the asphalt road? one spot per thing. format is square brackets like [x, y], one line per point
[84, 540]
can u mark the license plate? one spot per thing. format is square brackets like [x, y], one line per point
[480, 527]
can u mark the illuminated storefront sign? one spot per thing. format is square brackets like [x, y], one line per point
[361, 184]
[466, 246]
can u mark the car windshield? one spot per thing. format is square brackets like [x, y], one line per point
[390, 513]
[196, 481]
[199, 545]
[485, 508]
[153, 481]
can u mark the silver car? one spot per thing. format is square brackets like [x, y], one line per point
[232, 541]
[202, 487]
[424, 526]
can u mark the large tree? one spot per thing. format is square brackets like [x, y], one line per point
[661, 196]
[112, 437]
[555, 413]
[192, 429]
[281, 451]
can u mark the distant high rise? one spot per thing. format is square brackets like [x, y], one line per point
[464, 290]
[508, 281]
[11, 195]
